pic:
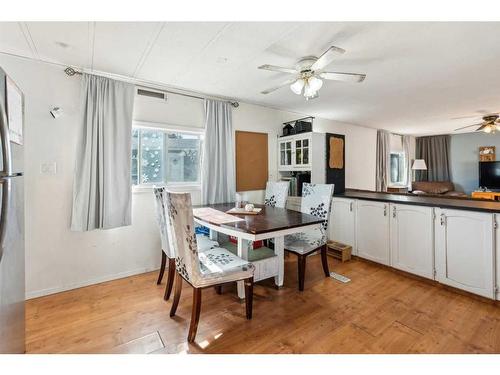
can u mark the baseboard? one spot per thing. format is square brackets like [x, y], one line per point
[97, 280]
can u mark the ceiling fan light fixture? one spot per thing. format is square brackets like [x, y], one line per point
[488, 129]
[315, 83]
[297, 86]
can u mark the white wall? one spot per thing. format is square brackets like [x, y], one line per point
[58, 259]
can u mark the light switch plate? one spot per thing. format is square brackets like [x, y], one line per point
[48, 168]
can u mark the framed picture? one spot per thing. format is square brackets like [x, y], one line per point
[487, 153]
[15, 111]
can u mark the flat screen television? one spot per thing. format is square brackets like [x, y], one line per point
[489, 174]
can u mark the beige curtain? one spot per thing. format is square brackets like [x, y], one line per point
[383, 151]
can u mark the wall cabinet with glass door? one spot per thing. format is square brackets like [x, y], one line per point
[295, 152]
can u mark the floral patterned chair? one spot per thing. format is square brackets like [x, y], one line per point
[204, 243]
[276, 194]
[316, 201]
[212, 267]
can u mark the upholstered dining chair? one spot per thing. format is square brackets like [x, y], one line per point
[204, 243]
[316, 201]
[200, 270]
[276, 194]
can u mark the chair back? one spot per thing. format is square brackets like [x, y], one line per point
[317, 200]
[180, 228]
[276, 194]
[161, 219]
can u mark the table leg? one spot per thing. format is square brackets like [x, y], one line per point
[242, 253]
[279, 250]
[213, 235]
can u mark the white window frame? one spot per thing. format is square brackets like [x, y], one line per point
[397, 184]
[170, 128]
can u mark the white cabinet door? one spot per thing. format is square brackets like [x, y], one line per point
[464, 250]
[285, 156]
[412, 239]
[372, 231]
[343, 221]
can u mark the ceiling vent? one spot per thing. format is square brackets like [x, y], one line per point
[159, 95]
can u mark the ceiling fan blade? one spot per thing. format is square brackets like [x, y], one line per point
[327, 57]
[288, 82]
[275, 68]
[469, 126]
[481, 127]
[345, 77]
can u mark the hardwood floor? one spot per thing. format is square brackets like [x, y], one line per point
[379, 311]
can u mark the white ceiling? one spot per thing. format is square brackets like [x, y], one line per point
[420, 76]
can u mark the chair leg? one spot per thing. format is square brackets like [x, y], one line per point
[302, 271]
[249, 297]
[218, 289]
[177, 294]
[162, 267]
[324, 261]
[195, 314]
[170, 278]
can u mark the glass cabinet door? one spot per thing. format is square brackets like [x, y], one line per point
[286, 153]
[302, 152]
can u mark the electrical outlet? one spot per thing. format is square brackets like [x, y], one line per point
[49, 168]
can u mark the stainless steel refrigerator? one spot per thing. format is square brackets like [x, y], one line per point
[12, 284]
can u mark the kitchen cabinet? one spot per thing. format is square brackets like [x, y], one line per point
[412, 239]
[342, 224]
[465, 250]
[372, 231]
[296, 152]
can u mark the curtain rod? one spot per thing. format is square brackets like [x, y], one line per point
[71, 72]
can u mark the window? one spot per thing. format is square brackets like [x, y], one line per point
[397, 168]
[165, 157]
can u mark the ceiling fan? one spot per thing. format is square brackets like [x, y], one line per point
[308, 74]
[490, 124]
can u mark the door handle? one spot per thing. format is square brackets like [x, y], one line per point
[4, 131]
[385, 210]
[5, 184]
[443, 219]
[394, 211]
[350, 206]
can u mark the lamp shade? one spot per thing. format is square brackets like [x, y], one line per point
[419, 165]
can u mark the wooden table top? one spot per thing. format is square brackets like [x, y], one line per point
[270, 219]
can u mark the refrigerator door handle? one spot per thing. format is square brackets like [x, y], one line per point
[5, 138]
[5, 184]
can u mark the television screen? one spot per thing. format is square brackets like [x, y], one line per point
[489, 174]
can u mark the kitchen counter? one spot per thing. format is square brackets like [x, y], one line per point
[419, 200]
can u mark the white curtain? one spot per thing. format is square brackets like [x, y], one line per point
[218, 175]
[102, 184]
[407, 152]
[383, 153]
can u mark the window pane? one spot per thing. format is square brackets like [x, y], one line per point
[183, 158]
[135, 144]
[152, 153]
[397, 168]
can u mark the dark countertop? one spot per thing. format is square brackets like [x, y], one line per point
[419, 200]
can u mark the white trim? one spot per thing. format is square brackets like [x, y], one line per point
[97, 280]
[168, 127]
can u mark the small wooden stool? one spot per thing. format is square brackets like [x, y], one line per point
[339, 250]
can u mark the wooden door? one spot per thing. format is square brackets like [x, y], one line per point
[372, 231]
[412, 239]
[465, 251]
[342, 222]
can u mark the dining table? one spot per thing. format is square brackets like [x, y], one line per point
[271, 223]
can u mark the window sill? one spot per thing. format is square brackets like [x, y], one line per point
[178, 188]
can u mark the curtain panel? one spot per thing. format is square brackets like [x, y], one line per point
[383, 154]
[218, 182]
[102, 184]
[408, 162]
[435, 150]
